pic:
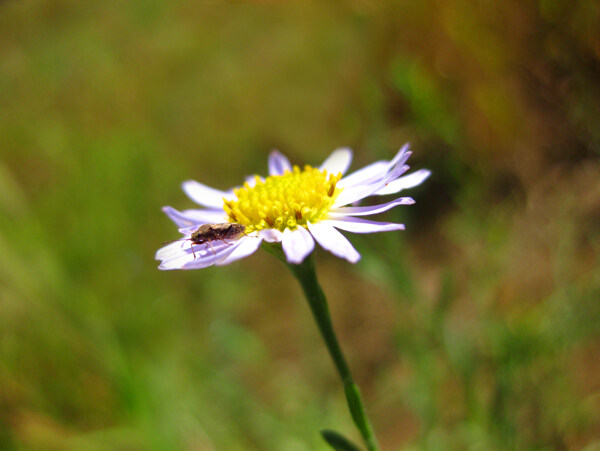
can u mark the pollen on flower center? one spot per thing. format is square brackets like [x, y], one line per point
[284, 201]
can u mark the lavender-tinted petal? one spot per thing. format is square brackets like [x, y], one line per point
[401, 157]
[247, 246]
[405, 182]
[208, 257]
[278, 163]
[205, 195]
[358, 225]
[338, 161]
[297, 244]
[187, 230]
[340, 212]
[183, 254]
[175, 255]
[212, 247]
[189, 218]
[333, 241]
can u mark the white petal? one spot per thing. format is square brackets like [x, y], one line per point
[371, 210]
[365, 175]
[356, 193]
[204, 195]
[338, 161]
[375, 172]
[297, 244]
[175, 255]
[278, 163]
[358, 225]
[248, 245]
[271, 235]
[189, 218]
[350, 195]
[405, 182]
[333, 241]
[176, 263]
[171, 250]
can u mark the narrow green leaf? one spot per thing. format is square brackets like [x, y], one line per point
[356, 406]
[338, 442]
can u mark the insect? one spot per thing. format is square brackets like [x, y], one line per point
[207, 233]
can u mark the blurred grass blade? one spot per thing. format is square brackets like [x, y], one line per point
[338, 442]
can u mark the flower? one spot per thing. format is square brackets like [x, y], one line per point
[293, 206]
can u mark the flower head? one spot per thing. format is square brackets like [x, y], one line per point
[295, 206]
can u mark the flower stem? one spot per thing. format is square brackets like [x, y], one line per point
[307, 277]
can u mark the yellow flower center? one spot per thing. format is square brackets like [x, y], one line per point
[284, 201]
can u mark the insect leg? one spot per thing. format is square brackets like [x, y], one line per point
[210, 244]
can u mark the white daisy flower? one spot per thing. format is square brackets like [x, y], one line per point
[293, 206]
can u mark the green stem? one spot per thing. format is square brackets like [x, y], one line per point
[307, 276]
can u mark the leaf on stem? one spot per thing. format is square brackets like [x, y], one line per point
[338, 442]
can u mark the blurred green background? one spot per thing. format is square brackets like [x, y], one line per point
[478, 328]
